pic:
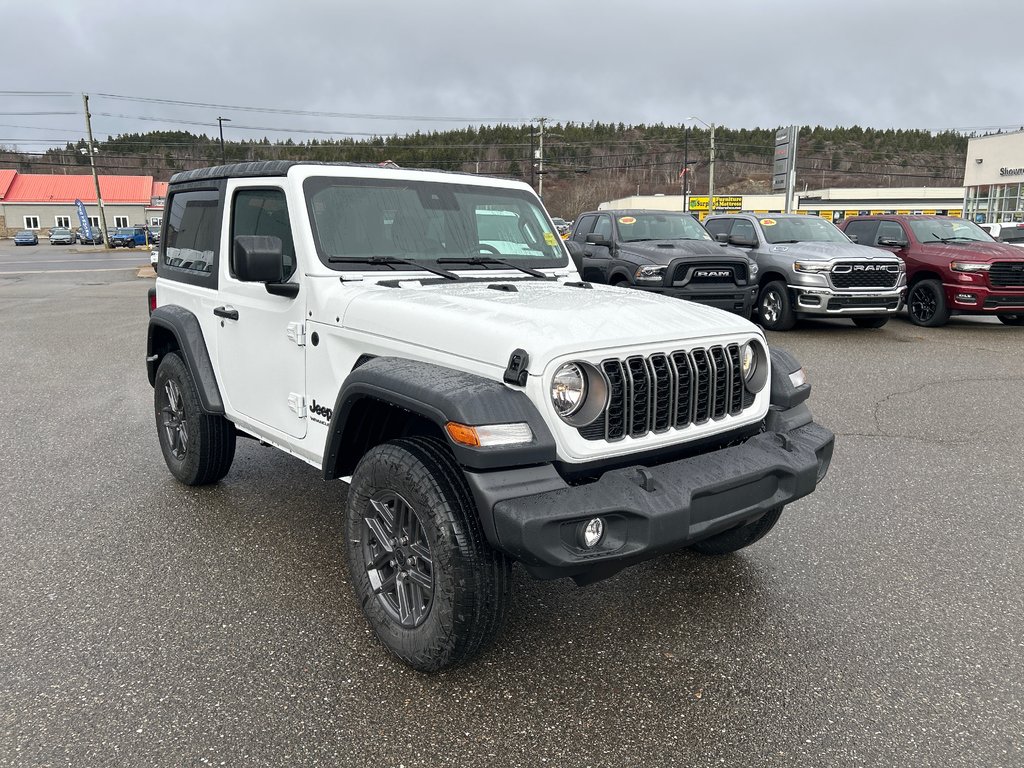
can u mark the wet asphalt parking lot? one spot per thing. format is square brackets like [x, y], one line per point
[143, 623]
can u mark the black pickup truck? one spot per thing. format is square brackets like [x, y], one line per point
[663, 252]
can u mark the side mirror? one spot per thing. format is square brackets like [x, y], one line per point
[892, 242]
[599, 240]
[746, 242]
[722, 237]
[258, 259]
[853, 238]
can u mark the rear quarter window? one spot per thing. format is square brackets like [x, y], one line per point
[190, 249]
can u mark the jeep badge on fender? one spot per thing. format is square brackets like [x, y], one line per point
[484, 405]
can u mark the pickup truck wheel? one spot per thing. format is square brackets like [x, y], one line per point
[740, 536]
[197, 448]
[1011, 319]
[775, 308]
[872, 321]
[620, 282]
[926, 304]
[430, 586]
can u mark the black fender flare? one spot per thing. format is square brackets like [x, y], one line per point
[440, 395]
[188, 334]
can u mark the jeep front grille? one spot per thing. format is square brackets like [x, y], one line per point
[669, 391]
[1007, 273]
[865, 275]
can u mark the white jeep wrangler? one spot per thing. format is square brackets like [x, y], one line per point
[485, 405]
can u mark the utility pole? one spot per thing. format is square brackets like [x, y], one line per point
[711, 164]
[540, 159]
[533, 164]
[95, 178]
[220, 124]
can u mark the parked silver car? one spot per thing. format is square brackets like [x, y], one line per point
[62, 236]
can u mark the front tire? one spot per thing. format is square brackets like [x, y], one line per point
[926, 304]
[775, 308]
[739, 537]
[871, 321]
[431, 588]
[198, 448]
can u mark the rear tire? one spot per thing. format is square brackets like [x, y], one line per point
[198, 448]
[429, 584]
[739, 537]
[871, 321]
[926, 304]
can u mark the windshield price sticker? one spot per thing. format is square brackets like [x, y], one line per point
[627, 220]
[768, 222]
[550, 239]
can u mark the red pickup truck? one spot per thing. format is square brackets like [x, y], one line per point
[952, 266]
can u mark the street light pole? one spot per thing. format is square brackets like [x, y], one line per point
[220, 124]
[711, 164]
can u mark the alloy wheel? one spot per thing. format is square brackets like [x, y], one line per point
[398, 559]
[923, 304]
[175, 425]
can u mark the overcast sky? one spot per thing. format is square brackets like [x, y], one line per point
[388, 67]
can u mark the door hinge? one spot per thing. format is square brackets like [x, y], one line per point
[297, 333]
[297, 403]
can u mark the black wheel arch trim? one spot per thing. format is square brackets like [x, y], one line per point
[440, 395]
[188, 333]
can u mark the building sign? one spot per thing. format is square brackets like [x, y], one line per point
[785, 146]
[732, 203]
[1010, 171]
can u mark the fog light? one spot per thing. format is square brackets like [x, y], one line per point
[966, 298]
[592, 533]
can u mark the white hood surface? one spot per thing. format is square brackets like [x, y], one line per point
[546, 318]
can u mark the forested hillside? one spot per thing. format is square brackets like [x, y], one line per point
[582, 164]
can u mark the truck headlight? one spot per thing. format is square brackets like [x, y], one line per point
[649, 273]
[753, 269]
[579, 393]
[811, 266]
[969, 266]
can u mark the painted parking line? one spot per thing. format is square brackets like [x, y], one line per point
[62, 271]
[63, 261]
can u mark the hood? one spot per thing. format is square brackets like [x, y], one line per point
[545, 318]
[664, 251]
[823, 251]
[975, 251]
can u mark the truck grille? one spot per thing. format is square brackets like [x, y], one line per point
[854, 275]
[730, 274]
[669, 391]
[1007, 273]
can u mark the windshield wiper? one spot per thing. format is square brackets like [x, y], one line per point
[491, 260]
[777, 242]
[391, 261]
[954, 237]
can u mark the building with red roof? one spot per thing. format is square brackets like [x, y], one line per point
[43, 200]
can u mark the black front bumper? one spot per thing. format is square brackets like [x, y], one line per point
[647, 511]
[730, 297]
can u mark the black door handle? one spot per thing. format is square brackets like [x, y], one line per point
[230, 314]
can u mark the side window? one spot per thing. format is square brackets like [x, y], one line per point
[585, 227]
[744, 230]
[604, 226]
[193, 231]
[121, 222]
[718, 226]
[863, 231]
[264, 212]
[888, 230]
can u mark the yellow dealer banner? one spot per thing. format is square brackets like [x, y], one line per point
[734, 203]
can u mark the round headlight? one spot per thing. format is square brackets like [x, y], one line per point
[748, 362]
[568, 389]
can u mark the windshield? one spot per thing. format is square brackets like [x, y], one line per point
[358, 219]
[801, 229]
[948, 230]
[659, 226]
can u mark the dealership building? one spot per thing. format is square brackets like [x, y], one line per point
[994, 177]
[40, 201]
